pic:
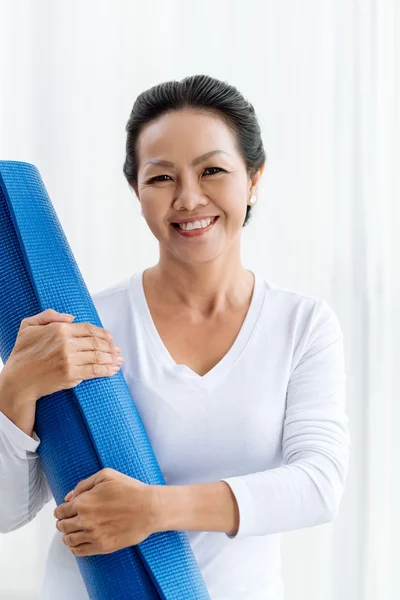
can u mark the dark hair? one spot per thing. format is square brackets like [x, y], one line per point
[200, 92]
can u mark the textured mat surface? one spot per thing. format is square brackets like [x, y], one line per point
[95, 424]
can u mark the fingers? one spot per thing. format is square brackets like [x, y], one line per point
[90, 330]
[92, 350]
[77, 538]
[65, 510]
[97, 357]
[69, 525]
[95, 354]
[84, 550]
[90, 482]
[86, 484]
[93, 370]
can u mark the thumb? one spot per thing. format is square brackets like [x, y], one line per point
[44, 318]
[84, 486]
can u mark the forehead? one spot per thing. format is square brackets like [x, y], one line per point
[184, 134]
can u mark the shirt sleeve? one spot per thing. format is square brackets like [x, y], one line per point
[307, 489]
[24, 488]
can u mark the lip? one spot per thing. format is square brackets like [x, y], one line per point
[195, 232]
[192, 219]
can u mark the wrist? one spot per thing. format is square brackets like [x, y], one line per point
[155, 502]
[11, 393]
[6, 391]
[197, 507]
[14, 404]
[172, 504]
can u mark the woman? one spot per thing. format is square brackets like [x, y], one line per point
[240, 383]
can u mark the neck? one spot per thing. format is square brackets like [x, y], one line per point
[206, 288]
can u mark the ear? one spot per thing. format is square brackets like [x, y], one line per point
[254, 181]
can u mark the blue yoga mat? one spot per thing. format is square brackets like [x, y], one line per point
[96, 424]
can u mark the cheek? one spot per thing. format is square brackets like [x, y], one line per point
[155, 204]
[229, 193]
[152, 197]
[233, 203]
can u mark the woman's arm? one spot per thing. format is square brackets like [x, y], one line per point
[307, 489]
[197, 507]
[23, 486]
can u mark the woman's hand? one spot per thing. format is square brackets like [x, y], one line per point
[50, 354]
[107, 512]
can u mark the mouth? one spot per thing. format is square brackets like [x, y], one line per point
[196, 228]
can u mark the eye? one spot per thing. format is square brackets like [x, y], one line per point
[159, 177]
[218, 169]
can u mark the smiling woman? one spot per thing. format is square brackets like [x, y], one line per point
[239, 382]
[194, 160]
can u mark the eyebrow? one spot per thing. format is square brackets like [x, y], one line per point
[199, 159]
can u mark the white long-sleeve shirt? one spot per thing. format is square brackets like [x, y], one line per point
[269, 419]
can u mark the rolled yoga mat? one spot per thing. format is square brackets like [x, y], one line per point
[95, 424]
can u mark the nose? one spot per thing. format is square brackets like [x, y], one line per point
[189, 198]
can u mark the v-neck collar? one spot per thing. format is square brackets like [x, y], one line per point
[226, 362]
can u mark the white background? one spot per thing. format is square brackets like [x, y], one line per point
[324, 77]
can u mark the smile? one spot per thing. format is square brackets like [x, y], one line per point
[195, 229]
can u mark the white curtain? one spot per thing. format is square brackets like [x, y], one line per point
[324, 77]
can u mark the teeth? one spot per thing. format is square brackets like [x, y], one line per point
[196, 224]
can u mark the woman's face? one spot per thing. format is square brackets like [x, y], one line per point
[179, 179]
